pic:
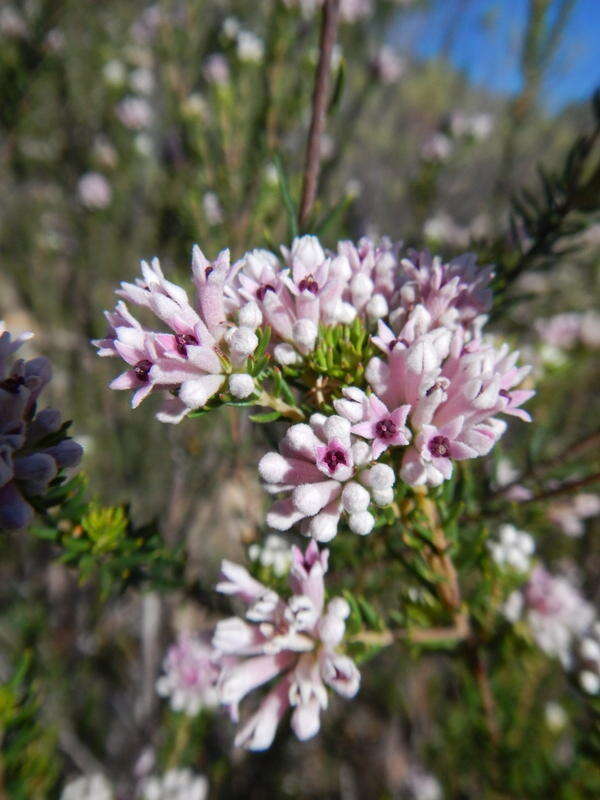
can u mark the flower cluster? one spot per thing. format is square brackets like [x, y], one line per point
[569, 515]
[33, 444]
[350, 10]
[513, 548]
[190, 675]
[176, 784]
[294, 640]
[325, 472]
[199, 353]
[292, 643]
[555, 612]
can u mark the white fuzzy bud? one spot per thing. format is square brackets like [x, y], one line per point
[339, 607]
[355, 498]
[377, 307]
[241, 385]
[382, 497]
[250, 316]
[243, 342]
[304, 334]
[361, 453]
[361, 287]
[337, 427]
[273, 467]
[349, 409]
[345, 313]
[361, 523]
[322, 527]
[286, 355]
[380, 476]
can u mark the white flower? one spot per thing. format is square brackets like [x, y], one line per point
[88, 787]
[514, 548]
[94, 190]
[275, 552]
[176, 784]
[250, 47]
[212, 208]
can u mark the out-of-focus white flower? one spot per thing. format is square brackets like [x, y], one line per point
[569, 515]
[55, 40]
[327, 146]
[104, 153]
[94, 190]
[271, 175]
[513, 549]
[212, 208]
[353, 188]
[114, 73]
[422, 786]
[555, 716]
[135, 113]
[250, 47]
[231, 27]
[88, 787]
[442, 228]
[176, 784]
[438, 147]
[275, 552]
[388, 66]
[143, 145]
[479, 126]
[216, 69]
[195, 106]
[142, 80]
[12, 23]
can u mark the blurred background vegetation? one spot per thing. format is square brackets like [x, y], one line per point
[129, 130]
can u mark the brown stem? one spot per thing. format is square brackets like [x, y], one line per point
[564, 488]
[437, 556]
[480, 673]
[312, 167]
[459, 631]
[568, 454]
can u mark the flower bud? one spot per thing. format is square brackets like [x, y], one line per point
[241, 385]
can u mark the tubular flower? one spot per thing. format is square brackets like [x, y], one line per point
[451, 383]
[32, 447]
[190, 675]
[325, 472]
[296, 641]
[200, 351]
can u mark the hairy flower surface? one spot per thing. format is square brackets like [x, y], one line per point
[189, 359]
[32, 449]
[190, 675]
[325, 472]
[294, 642]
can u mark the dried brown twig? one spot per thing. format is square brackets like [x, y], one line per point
[320, 99]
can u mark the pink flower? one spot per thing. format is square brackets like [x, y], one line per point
[570, 514]
[455, 385]
[294, 642]
[189, 360]
[94, 190]
[385, 428]
[556, 613]
[191, 672]
[325, 473]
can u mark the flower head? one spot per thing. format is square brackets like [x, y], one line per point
[325, 473]
[189, 360]
[295, 641]
[190, 675]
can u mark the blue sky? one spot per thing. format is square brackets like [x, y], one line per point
[487, 40]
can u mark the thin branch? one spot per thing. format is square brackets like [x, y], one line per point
[270, 401]
[460, 631]
[568, 454]
[312, 167]
[564, 488]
